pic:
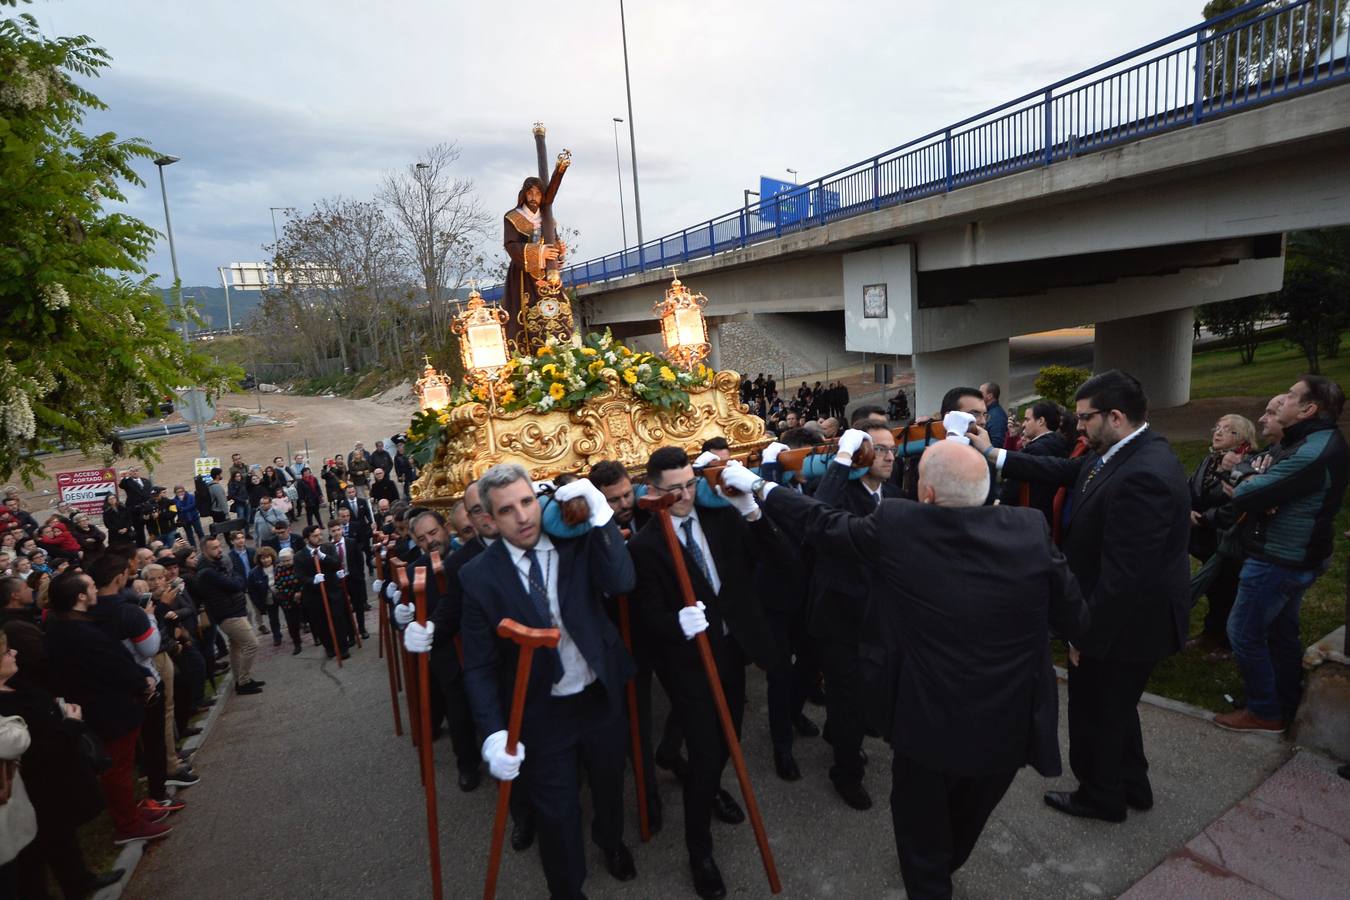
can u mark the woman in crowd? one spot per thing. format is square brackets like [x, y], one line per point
[286, 589]
[262, 590]
[310, 496]
[273, 480]
[120, 521]
[335, 480]
[256, 491]
[237, 493]
[39, 582]
[189, 514]
[1212, 514]
[61, 785]
[87, 534]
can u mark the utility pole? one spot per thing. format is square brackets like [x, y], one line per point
[632, 137]
[168, 226]
[618, 167]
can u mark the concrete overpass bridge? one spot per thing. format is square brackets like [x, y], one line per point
[1124, 196]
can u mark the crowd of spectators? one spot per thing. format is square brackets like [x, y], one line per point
[111, 632]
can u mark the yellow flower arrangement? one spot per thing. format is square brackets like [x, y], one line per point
[595, 366]
[509, 396]
[667, 374]
[588, 351]
[630, 376]
[549, 370]
[545, 350]
[556, 391]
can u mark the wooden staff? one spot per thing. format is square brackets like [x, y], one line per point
[424, 720]
[661, 506]
[390, 634]
[527, 639]
[625, 629]
[410, 682]
[328, 611]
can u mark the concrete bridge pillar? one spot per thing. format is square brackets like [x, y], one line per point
[1155, 348]
[938, 371]
[715, 346]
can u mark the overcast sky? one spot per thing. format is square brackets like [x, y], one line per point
[281, 103]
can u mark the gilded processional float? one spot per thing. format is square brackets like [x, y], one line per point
[537, 393]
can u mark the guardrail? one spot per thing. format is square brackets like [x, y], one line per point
[1229, 63]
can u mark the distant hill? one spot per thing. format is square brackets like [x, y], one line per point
[210, 303]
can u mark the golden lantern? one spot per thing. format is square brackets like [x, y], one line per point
[432, 389]
[683, 327]
[482, 339]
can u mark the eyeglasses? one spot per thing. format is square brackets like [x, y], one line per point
[1083, 418]
[688, 487]
[884, 451]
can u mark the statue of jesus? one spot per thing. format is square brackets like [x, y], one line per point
[523, 240]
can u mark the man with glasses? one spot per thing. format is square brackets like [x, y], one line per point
[1126, 529]
[722, 546]
[839, 592]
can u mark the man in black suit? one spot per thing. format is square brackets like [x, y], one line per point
[721, 548]
[975, 698]
[139, 500]
[573, 715]
[318, 563]
[352, 561]
[1126, 530]
[282, 536]
[362, 523]
[838, 610]
[1040, 437]
[444, 611]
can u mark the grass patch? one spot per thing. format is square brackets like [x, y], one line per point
[242, 350]
[341, 385]
[1278, 363]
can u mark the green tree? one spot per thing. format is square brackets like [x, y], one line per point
[1238, 320]
[1058, 384]
[1241, 57]
[84, 335]
[1314, 304]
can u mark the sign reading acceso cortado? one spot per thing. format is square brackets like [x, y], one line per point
[85, 489]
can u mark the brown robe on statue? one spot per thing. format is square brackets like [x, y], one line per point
[520, 289]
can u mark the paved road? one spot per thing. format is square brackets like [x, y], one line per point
[306, 792]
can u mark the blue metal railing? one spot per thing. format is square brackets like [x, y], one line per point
[1231, 62]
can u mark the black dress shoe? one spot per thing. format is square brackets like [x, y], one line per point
[854, 794]
[727, 810]
[620, 863]
[296, 651]
[190, 731]
[259, 682]
[786, 765]
[206, 703]
[1139, 802]
[1066, 802]
[470, 780]
[99, 882]
[522, 835]
[707, 879]
[804, 726]
[364, 636]
[673, 763]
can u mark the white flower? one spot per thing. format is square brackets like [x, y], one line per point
[55, 296]
[545, 404]
[23, 89]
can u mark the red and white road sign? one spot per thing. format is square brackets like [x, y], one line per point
[85, 489]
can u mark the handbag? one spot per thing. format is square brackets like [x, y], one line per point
[92, 752]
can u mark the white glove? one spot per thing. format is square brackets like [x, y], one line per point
[707, 457]
[851, 440]
[582, 487]
[744, 503]
[342, 573]
[417, 638]
[502, 765]
[403, 614]
[956, 423]
[395, 596]
[741, 479]
[693, 620]
[318, 578]
[770, 453]
[379, 586]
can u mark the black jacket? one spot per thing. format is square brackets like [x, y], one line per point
[305, 568]
[94, 670]
[1126, 539]
[384, 489]
[962, 660]
[737, 546]
[839, 587]
[446, 608]
[1040, 495]
[221, 589]
[363, 523]
[589, 567]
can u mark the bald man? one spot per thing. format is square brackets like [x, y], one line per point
[976, 698]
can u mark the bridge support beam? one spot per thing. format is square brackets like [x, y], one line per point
[715, 346]
[1155, 348]
[938, 371]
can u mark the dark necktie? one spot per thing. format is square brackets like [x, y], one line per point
[694, 550]
[1070, 496]
[539, 596]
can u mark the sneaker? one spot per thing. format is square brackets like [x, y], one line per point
[154, 816]
[173, 804]
[182, 778]
[250, 688]
[1245, 720]
[147, 832]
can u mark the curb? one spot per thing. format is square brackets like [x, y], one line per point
[131, 854]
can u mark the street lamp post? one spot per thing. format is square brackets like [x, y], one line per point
[276, 209]
[618, 167]
[793, 173]
[168, 224]
[632, 138]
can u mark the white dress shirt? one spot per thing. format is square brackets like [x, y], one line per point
[702, 540]
[577, 672]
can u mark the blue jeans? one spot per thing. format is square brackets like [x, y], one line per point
[1263, 629]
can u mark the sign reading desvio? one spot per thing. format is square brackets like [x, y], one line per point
[785, 203]
[85, 489]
